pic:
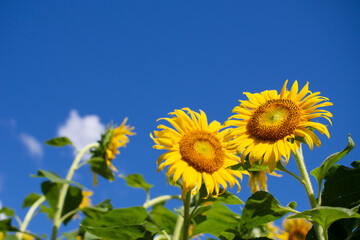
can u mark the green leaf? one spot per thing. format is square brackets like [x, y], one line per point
[342, 187]
[116, 217]
[262, 208]
[72, 201]
[319, 173]
[48, 211]
[325, 216]
[200, 210]
[59, 142]
[216, 220]
[119, 232]
[52, 191]
[31, 199]
[98, 210]
[99, 166]
[70, 236]
[5, 225]
[136, 180]
[164, 218]
[53, 177]
[7, 211]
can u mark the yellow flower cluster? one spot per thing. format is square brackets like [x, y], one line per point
[264, 128]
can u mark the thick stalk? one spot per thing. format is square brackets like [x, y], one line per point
[30, 214]
[65, 187]
[186, 216]
[309, 189]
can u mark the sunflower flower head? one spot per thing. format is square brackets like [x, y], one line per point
[86, 201]
[272, 230]
[111, 141]
[268, 125]
[294, 229]
[257, 180]
[197, 152]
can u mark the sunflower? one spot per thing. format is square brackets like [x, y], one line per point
[268, 125]
[257, 180]
[294, 229]
[272, 230]
[197, 152]
[86, 201]
[118, 139]
[109, 145]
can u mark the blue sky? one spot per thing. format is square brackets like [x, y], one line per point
[88, 63]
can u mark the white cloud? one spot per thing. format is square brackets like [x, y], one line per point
[34, 146]
[81, 130]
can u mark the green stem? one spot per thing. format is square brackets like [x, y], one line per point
[283, 169]
[186, 216]
[160, 199]
[65, 187]
[309, 190]
[178, 226]
[30, 214]
[69, 214]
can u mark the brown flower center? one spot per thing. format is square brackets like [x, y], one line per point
[297, 235]
[202, 151]
[274, 120]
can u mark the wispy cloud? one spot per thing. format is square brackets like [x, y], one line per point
[81, 130]
[32, 144]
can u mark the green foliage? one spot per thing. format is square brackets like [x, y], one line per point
[339, 193]
[5, 225]
[7, 211]
[325, 216]
[99, 166]
[137, 181]
[69, 236]
[128, 222]
[136, 231]
[31, 199]
[217, 220]
[163, 219]
[99, 209]
[337, 190]
[59, 142]
[51, 191]
[53, 177]
[262, 208]
[320, 172]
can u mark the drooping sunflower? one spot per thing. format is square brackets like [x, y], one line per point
[294, 229]
[257, 180]
[266, 125]
[109, 145]
[197, 152]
